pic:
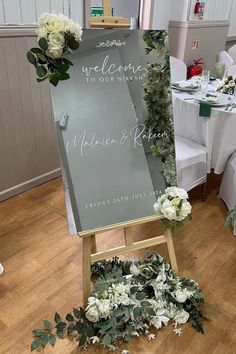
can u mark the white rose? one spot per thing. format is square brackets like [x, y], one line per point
[185, 209]
[92, 313]
[76, 29]
[168, 210]
[55, 52]
[104, 308]
[45, 18]
[157, 207]
[181, 317]
[42, 32]
[180, 296]
[177, 192]
[56, 39]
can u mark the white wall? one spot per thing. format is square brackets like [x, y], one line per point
[161, 14]
[232, 29]
[27, 11]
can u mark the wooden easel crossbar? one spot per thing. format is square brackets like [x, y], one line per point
[108, 21]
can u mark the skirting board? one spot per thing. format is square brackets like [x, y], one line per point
[20, 188]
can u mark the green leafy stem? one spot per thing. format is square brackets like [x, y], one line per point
[48, 68]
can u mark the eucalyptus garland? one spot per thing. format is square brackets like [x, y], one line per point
[158, 102]
[130, 298]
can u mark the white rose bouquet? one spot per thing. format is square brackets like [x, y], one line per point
[175, 208]
[227, 85]
[57, 36]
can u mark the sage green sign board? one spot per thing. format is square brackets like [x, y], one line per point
[105, 144]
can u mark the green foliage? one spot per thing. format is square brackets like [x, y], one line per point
[231, 218]
[158, 102]
[124, 321]
[48, 68]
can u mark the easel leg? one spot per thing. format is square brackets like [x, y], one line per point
[171, 250]
[87, 248]
[93, 244]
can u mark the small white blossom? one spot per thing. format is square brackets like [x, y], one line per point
[95, 339]
[124, 351]
[151, 336]
[178, 331]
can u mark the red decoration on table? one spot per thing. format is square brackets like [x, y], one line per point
[195, 69]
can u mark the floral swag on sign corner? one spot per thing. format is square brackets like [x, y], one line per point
[58, 36]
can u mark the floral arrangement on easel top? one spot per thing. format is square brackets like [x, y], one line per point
[57, 36]
[132, 297]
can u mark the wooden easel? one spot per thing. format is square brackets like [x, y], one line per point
[108, 21]
[90, 255]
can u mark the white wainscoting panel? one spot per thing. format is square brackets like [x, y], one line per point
[20, 12]
[28, 144]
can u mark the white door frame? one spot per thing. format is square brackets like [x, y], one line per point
[146, 13]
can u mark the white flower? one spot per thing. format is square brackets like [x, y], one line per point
[231, 83]
[92, 313]
[181, 317]
[134, 270]
[42, 32]
[157, 207]
[151, 336]
[180, 296]
[176, 192]
[103, 308]
[94, 339]
[55, 52]
[178, 331]
[168, 210]
[158, 321]
[185, 209]
[124, 351]
[56, 39]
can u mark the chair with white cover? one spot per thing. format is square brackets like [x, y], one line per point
[225, 58]
[232, 70]
[191, 164]
[232, 52]
[178, 70]
[228, 185]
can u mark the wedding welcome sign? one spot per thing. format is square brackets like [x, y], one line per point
[115, 126]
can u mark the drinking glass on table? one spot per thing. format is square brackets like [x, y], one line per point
[205, 80]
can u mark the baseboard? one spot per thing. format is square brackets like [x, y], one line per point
[20, 188]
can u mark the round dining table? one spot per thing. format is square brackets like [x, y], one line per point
[216, 133]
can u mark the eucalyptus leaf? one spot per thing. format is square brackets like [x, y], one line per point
[67, 61]
[38, 332]
[52, 339]
[82, 340]
[137, 312]
[54, 79]
[36, 344]
[31, 58]
[47, 324]
[41, 71]
[43, 43]
[107, 339]
[44, 340]
[69, 317]
[57, 318]
[36, 50]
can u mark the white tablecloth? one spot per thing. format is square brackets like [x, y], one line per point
[217, 133]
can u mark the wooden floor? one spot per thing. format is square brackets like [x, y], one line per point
[43, 273]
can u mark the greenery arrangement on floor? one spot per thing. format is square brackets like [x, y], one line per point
[130, 298]
[158, 102]
[231, 220]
